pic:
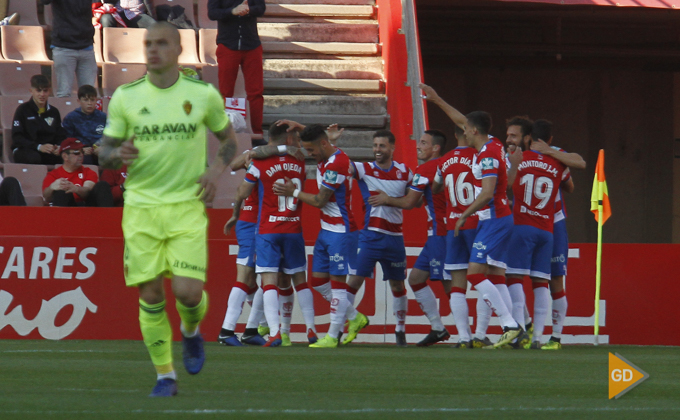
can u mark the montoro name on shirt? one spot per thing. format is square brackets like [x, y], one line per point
[537, 164]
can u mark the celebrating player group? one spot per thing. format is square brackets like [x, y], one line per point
[474, 231]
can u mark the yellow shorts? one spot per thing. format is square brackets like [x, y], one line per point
[169, 239]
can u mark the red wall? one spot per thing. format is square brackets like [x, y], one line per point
[83, 296]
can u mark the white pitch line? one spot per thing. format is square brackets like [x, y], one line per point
[352, 411]
[59, 351]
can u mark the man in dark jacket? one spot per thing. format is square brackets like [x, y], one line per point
[238, 45]
[72, 39]
[36, 129]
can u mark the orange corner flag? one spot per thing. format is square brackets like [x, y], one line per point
[623, 376]
[599, 199]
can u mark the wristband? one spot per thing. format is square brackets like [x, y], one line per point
[296, 193]
[283, 148]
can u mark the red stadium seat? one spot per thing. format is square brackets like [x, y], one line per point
[114, 75]
[31, 178]
[207, 46]
[189, 54]
[123, 45]
[64, 105]
[24, 43]
[8, 105]
[16, 77]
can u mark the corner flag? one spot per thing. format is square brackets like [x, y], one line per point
[599, 199]
[599, 204]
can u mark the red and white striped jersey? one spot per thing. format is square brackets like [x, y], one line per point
[560, 207]
[491, 161]
[455, 172]
[335, 173]
[250, 205]
[393, 182]
[435, 204]
[278, 214]
[536, 185]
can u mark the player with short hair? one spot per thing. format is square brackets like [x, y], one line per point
[336, 243]
[430, 262]
[278, 242]
[538, 179]
[156, 126]
[381, 240]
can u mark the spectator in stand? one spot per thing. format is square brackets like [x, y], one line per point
[131, 14]
[72, 39]
[116, 180]
[37, 130]
[86, 123]
[238, 45]
[10, 192]
[73, 184]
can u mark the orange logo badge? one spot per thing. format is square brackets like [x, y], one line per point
[187, 107]
[623, 376]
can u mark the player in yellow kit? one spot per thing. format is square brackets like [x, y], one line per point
[156, 126]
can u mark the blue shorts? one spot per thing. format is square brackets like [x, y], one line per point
[431, 258]
[491, 242]
[560, 253]
[388, 250]
[529, 252]
[458, 249]
[245, 236]
[332, 252]
[280, 250]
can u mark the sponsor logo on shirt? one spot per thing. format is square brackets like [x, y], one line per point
[273, 219]
[487, 163]
[416, 178]
[49, 120]
[478, 245]
[330, 177]
[144, 111]
[336, 258]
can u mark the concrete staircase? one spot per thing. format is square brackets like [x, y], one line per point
[322, 64]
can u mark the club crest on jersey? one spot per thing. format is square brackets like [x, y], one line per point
[487, 163]
[49, 120]
[187, 107]
[330, 177]
[398, 174]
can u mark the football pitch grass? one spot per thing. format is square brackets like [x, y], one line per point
[111, 380]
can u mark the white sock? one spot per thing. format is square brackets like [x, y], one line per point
[271, 310]
[559, 312]
[234, 307]
[325, 290]
[483, 318]
[306, 302]
[351, 312]
[257, 311]
[518, 302]
[460, 311]
[527, 315]
[250, 297]
[491, 294]
[187, 334]
[170, 375]
[400, 305]
[505, 294]
[428, 303]
[338, 312]
[286, 301]
[541, 305]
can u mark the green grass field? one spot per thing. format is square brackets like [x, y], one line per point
[111, 380]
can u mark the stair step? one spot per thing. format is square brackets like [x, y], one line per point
[311, 19]
[325, 104]
[331, 10]
[365, 68]
[362, 121]
[356, 138]
[318, 32]
[347, 48]
[335, 85]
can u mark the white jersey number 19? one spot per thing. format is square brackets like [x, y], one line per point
[542, 189]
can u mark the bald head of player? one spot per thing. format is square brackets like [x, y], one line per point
[162, 47]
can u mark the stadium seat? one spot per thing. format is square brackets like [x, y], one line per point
[16, 77]
[24, 43]
[207, 46]
[187, 4]
[64, 105]
[31, 178]
[7, 155]
[189, 54]
[27, 9]
[8, 105]
[203, 19]
[47, 16]
[123, 45]
[114, 75]
[98, 46]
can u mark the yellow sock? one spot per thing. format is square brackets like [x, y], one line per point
[191, 317]
[157, 334]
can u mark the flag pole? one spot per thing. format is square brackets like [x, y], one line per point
[598, 274]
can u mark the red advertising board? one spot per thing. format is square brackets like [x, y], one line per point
[62, 278]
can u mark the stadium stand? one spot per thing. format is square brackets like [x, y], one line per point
[123, 45]
[189, 54]
[16, 77]
[31, 179]
[27, 9]
[203, 19]
[24, 43]
[207, 46]
[65, 105]
[114, 75]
